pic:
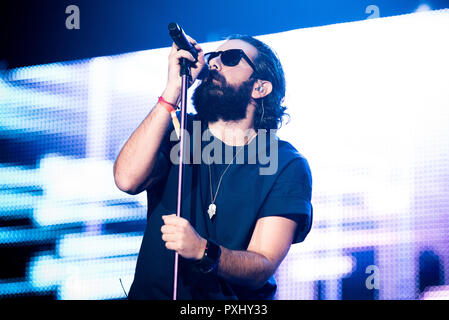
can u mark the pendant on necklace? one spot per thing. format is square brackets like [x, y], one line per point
[212, 209]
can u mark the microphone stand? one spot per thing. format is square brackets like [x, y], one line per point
[185, 75]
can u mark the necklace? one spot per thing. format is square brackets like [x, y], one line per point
[213, 207]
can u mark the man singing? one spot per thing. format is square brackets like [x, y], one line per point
[241, 210]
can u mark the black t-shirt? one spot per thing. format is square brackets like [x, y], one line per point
[260, 182]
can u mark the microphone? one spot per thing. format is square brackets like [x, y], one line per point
[179, 37]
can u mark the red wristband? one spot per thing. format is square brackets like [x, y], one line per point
[169, 106]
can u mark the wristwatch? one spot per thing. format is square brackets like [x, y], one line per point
[211, 258]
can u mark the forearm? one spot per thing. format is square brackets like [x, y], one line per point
[138, 156]
[244, 268]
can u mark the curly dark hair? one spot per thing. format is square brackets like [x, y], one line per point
[269, 68]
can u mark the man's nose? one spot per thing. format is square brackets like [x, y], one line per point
[215, 64]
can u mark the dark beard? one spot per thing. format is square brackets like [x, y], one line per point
[214, 101]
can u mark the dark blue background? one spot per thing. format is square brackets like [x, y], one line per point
[34, 32]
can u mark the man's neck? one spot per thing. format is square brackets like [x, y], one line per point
[233, 133]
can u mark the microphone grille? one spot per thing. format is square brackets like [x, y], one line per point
[173, 26]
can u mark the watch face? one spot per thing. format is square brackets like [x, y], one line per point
[211, 258]
[207, 267]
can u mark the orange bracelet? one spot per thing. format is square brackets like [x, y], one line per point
[171, 109]
[169, 106]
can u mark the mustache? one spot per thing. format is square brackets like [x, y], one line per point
[215, 75]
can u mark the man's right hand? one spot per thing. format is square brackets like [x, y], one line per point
[173, 89]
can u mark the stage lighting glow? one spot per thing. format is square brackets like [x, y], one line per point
[436, 293]
[314, 269]
[83, 247]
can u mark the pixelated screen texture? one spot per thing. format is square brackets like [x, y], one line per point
[369, 109]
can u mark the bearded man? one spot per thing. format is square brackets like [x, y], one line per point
[237, 221]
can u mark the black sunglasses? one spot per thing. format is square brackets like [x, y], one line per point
[230, 57]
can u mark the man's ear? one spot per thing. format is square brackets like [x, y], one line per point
[261, 89]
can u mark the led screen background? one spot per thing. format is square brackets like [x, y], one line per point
[369, 108]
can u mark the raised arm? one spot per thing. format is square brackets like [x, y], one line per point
[138, 156]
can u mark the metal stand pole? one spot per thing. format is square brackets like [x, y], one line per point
[185, 74]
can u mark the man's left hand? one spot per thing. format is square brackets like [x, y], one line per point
[179, 235]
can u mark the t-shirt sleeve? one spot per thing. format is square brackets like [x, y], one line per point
[291, 196]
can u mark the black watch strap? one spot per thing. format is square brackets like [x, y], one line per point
[211, 258]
